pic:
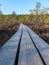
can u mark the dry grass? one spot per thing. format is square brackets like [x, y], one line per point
[7, 33]
[42, 30]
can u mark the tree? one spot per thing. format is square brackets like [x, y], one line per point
[1, 12]
[13, 12]
[36, 11]
[44, 14]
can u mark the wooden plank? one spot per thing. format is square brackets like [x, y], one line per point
[8, 51]
[42, 46]
[28, 53]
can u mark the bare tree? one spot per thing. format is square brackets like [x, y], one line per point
[36, 11]
[44, 13]
[0, 10]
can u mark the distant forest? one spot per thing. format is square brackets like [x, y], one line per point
[7, 20]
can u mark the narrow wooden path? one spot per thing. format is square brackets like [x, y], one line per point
[24, 48]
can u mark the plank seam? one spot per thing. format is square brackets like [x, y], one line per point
[18, 50]
[37, 49]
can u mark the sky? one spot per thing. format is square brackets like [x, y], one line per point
[20, 6]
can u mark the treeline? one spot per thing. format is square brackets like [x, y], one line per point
[38, 16]
[29, 18]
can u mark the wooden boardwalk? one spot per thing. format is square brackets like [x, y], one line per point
[24, 48]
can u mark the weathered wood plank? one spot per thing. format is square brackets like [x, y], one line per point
[28, 54]
[8, 51]
[42, 46]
